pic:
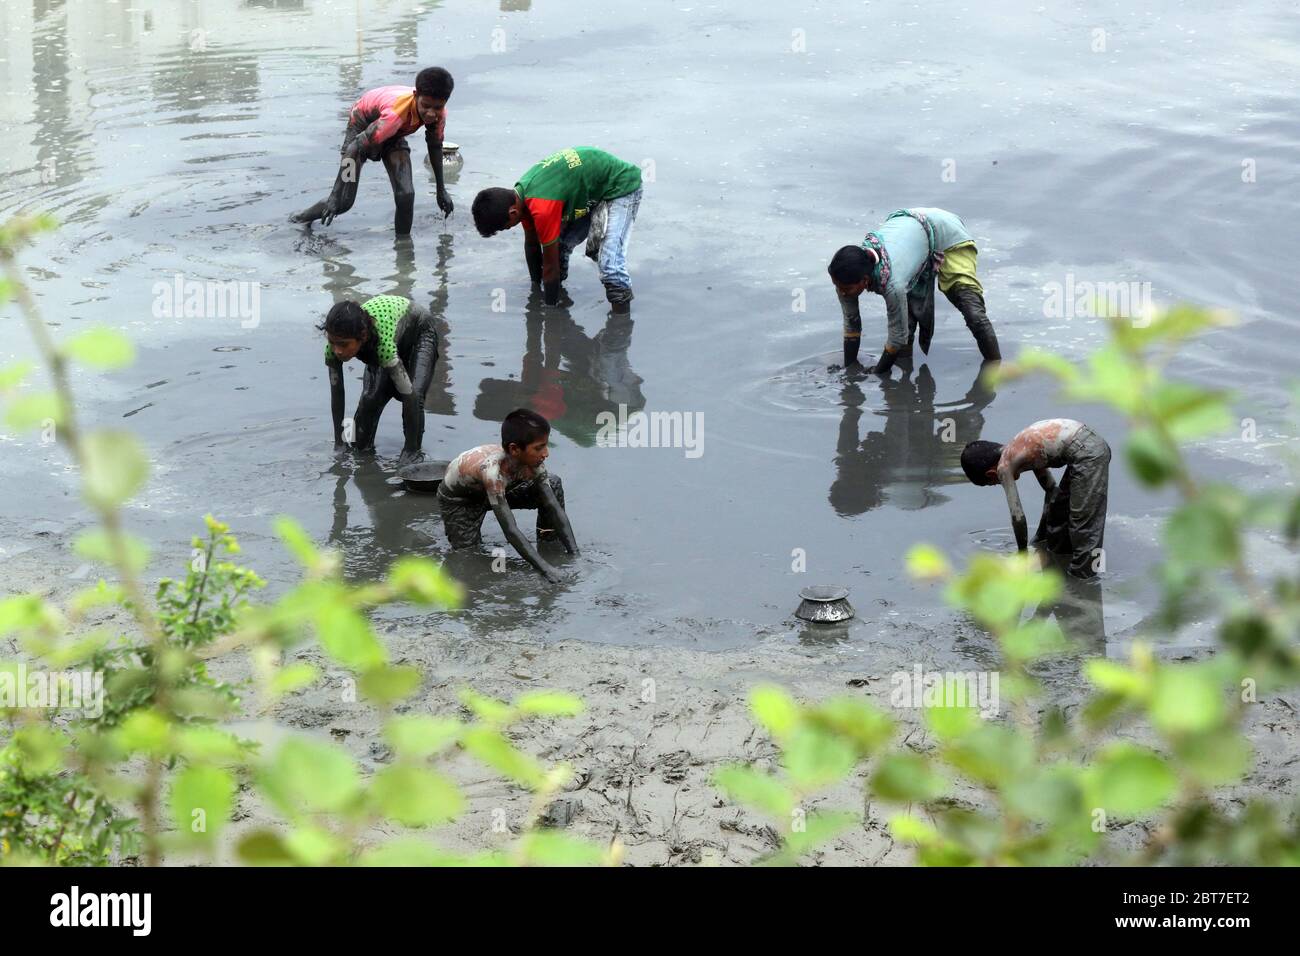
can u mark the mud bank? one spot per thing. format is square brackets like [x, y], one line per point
[658, 724]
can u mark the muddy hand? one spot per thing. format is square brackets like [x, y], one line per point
[445, 203]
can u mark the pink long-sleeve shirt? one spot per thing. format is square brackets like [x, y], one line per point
[390, 111]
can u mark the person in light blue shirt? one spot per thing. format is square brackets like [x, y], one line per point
[901, 261]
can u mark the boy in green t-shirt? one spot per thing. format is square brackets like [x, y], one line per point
[556, 200]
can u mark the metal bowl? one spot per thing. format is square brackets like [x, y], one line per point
[451, 153]
[423, 477]
[824, 604]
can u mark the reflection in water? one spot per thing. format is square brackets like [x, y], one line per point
[397, 523]
[1079, 610]
[917, 449]
[440, 400]
[824, 635]
[54, 135]
[200, 74]
[567, 377]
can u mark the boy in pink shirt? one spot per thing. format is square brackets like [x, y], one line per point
[377, 129]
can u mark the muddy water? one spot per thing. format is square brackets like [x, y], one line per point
[175, 138]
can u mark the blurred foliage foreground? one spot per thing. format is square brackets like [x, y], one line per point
[152, 769]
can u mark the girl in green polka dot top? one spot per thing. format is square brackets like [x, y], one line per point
[396, 340]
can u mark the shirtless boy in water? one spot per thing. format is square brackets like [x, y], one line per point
[1074, 512]
[501, 478]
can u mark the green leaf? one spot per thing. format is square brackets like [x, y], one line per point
[1037, 637]
[1036, 360]
[30, 411]
[487, 709]
[774, 709]
[927, 562]
[297, 541]
[951, 723]
[815, 759]
[115, 468]
[909, 829]
[1151, 458]
[418, 735]
[40, 750]
[307, 775]
[492, 748]
[98, 596]
[1115, 678]
[264, 848]
[553, 848]
[388, 683]
[201, 800]
[1114, 380]
[991, 754]
[199, 742]
[1175, 324]
[97, 546]
[1185, 698]
[855, 720]
[416, 797]
[1215, 758]
[1051, 795]
[421, 581]
[906, 778]
[313, 846]
[1203, 534]
[1189, 412]
[28, 612]
[101, 347]
[817, 829]
[144, 731]
[293, 678]
[1132, 781]
[546, 703]
[345, 635]
[758, 790]
[14, 374]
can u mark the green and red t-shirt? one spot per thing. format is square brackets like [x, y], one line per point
[566, 185]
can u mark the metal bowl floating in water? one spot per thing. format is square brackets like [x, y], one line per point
[824, 604]
[423, 477]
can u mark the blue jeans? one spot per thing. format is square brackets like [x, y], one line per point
[613, 248]
[621, 213]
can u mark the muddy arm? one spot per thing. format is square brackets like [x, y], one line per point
[434, 142]
[852, 327]
[1007, 477]
[551, 273]
[336, 401]
[506, 518]
[533, 256]
[562, 526]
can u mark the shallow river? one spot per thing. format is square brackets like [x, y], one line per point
[1081, 142]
